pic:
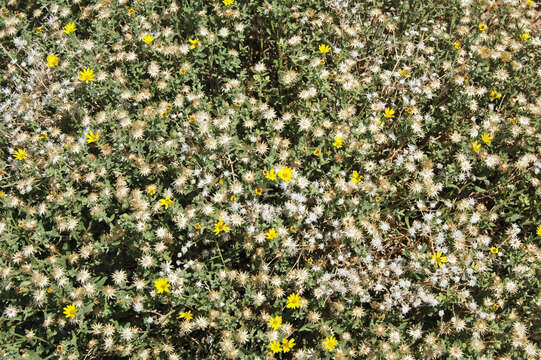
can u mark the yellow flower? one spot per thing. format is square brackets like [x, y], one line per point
[271, 175]
[476, 146]
[86, 75]
[39, 30]
[317, 152]
[70, 311]
[293, 301]
[356, 177]
[524, 36]
[228, 2]
[457, 45]
[438, 259]
[285, 173]
[20, 154]
[194, 43]
[187, 316]
[389, 113]
[482, 27]
[275, 347]
[220, 226]
[494, 95]
[151, 189]
[538, 230]
[162, 285]
[330, 343]
[131, 11]
[69, 28]
[271, 234]
[166, 202]
[52, 60]
[258, 191]
[324, 48]
[148, 39]
[91, 137]
[275, 322]
[337, 142]
[405, 72]
[494, 250]
[487, 138]
[287, 344]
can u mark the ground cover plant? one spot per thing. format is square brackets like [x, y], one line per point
[258, 179]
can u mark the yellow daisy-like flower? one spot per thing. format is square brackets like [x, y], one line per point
[52, 60]
[271, 234]
[148, 39]
[293, 301]
[494, 95]
[275, 322]
[220, 226]
[337, 142]
[271, 175]
[538, 232]
[487, 138]
[356, 177]
[324, 48]
[438, 259]
[494, 250]
[69, 28]
[166, 201]
[70, 311]
[330, 343]
[194, 43]
[389, 113]
[275, 347]
[20, 154]
[405, 72]
[524, 36]
[476, 146]
[86, 75]
[151, 189]
[162, 285]
[457, 45]
[91, 137]
[317, 152]
[482, 27]
[187, 316]
[285, 173]
[228, 2]
[287, 344]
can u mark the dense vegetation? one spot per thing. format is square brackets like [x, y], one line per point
[290, 179]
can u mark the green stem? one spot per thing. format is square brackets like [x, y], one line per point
[35, 337]
[220, 252]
